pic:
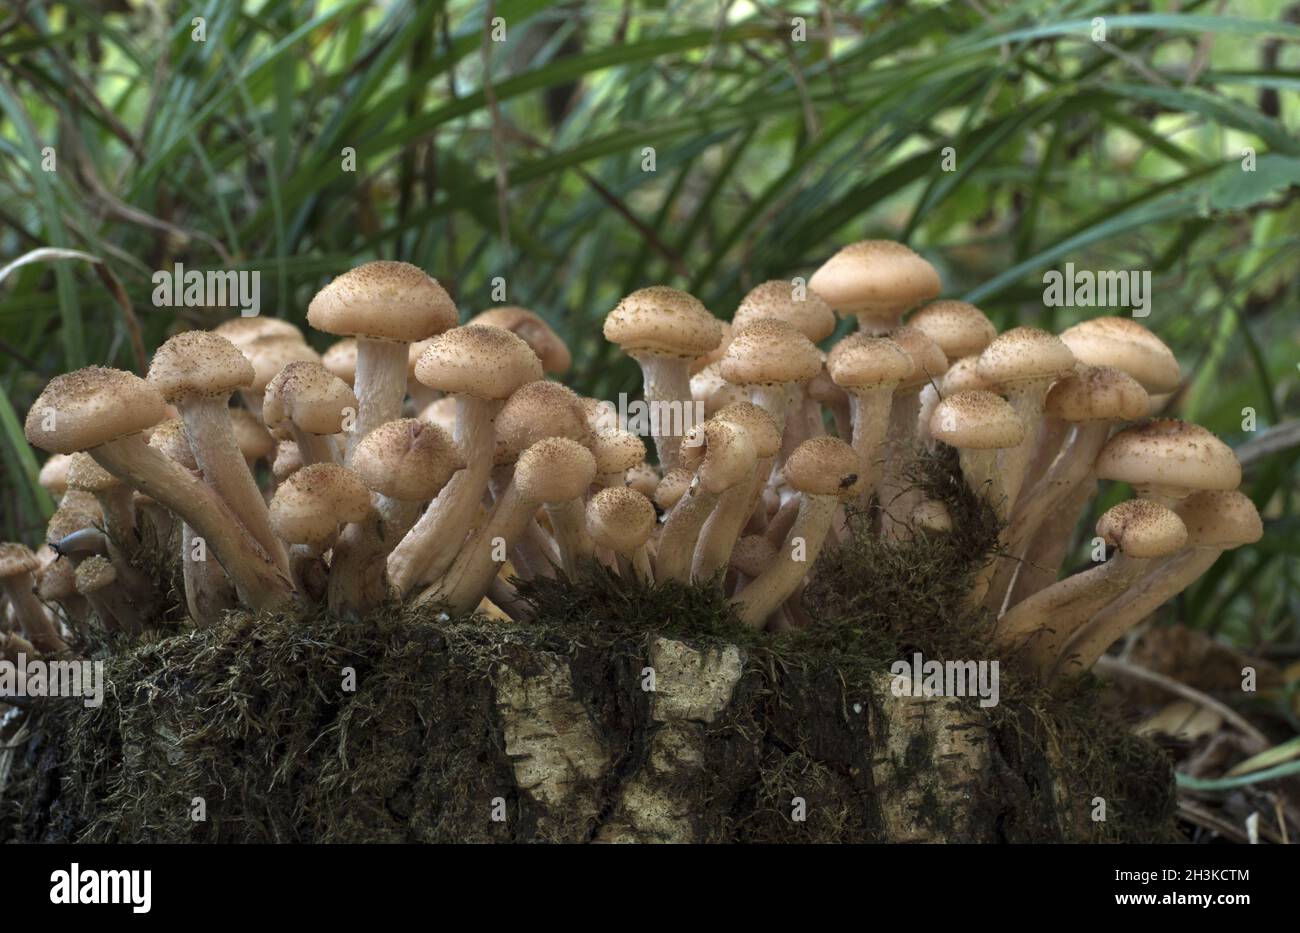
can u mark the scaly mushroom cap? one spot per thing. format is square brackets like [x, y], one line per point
[478, 360]
[758, 424]
[714, 355]
[16, 560]
[958, 327]
[1143, 529]
[769, 352]
[1024, 354]
[309, 506]
[616, 451]
[409, 459]
[928, 361]
[810, 315]
[72, 516]
[57, 581]
[269, 355]
[538, 410]
[663, 321]
[341, 359]
[310, 396]
[200, 364]
[976, 420]
[170, 439]
[752, 554]
[94, 574]
[825, 466]
[861, 361]
[1169, 454]
[84, 473]
[242, 331]
[672, 487]
[1220, 518]
[54, 474]
[875, 278]
[716, 393]
[546, 343]
[720, 452]
[620, 519]
[251, 436]
[92, 406]
[644, 479]
[555, 469]
[1097, 393]
[383, 301]
[1125, 344]
[962, 376]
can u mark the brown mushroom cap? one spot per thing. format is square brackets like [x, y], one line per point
[409, 459]
[1170, 454]
[809, 315]
[71, 517]
[269, 355]
[309, 506]
[861, 361]
[1097, 393]
[928, 361]
[672, 487]
[84, 473]
[752, 555]
[92, 406]
[546, 343]
[825, 466]
[555, 469]
[341, 359]
[620, 519]
[958, 327]
[1125, 344]
[54, 474]
[478, 360]
[875, 278]
[663, 321]
[251, 436]
[1143, 529]
[769, 352]
[199, 363]
[720, 452]
[57, 581]
[976, 420]
[962, 375]
[709, 387]
[94, 574]
[170, 438]
[538, 410]
[244, 330]
[17, 559]
[1024, 354]
[758, 424]
[1220, 518]
[644, 479]
[383, 301]
[310, 396]
[616, 451]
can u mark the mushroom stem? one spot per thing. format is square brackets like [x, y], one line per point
[432, 544]
[212, 438]
[871, 421]
[258, 580]
[380, 385]
[1106, 627]
[724, 524]
[470, 576]
[33, 618]
[358, 570]
[314, 448]
[665, 379]
[1045, 621]
[1027, 400]
[782, 577]
[568, 519]
[895, 496]
[681, 531]
[773, 399]
[208, 591]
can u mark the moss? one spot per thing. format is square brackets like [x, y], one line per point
[303, 727]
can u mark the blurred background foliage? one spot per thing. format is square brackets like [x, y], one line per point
[526, 158]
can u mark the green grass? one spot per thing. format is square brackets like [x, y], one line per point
[769, 154]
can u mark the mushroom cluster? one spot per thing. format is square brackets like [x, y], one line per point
[432, 463]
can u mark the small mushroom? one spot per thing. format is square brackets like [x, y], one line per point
[18, 566]
[876, 281]
[311, 404]
[621, 520]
